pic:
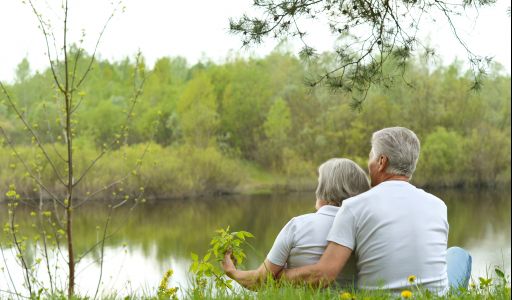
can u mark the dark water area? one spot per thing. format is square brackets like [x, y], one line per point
[156, 236]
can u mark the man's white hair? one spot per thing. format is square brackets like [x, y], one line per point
[400, 145]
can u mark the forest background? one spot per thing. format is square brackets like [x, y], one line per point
[251, 125]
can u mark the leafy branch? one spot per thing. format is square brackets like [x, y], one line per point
[222, 241]
[369, 35]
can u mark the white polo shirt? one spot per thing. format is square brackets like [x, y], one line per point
[395, 230]
[303, 240]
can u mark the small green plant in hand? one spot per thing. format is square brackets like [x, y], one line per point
[229, 241]
[222, 242]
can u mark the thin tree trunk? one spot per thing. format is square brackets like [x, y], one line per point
[70, 183]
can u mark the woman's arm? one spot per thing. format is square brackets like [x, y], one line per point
[250, 279]
[279, 254]
[324, 271]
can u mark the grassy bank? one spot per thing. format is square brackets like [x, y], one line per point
[261, 181]
[156, 172]
[498, 289]
[142, 171]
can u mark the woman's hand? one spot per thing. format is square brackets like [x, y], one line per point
[228, 265]
[251, 279]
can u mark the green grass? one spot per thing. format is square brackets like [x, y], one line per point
[496, 291]
[261, 181]
[494, 287]
[497, 288]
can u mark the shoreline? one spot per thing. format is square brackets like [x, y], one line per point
[253, 187]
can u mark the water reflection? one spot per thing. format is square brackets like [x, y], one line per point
[157, 236]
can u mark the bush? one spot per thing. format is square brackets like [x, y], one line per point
[300, 173]
[441, 161]
[158, 172]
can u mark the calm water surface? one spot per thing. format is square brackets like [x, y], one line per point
[158, 236]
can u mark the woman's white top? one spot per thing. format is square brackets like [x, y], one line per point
[303, 240]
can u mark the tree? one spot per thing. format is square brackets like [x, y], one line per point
[443, 157]
[69, 67]
[369, 33]
[276, 129]
[244, 102]
[161, 91]
[22, 70]
[197, 112]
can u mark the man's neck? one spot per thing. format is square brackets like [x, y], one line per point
[392, 177]
[397, 177]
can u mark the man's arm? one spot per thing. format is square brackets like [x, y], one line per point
[250, 279]
[324, 271]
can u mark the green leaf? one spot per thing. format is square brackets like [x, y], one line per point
[194, 256]
[207, 256]
[240, 235]
[485, 281]
[202, 267]
[247, 234]
[499, 273]
[238, 258]
[194, 266]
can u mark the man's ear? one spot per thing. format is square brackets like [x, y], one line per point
[383, 163]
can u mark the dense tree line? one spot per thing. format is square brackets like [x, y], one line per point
[260, 111]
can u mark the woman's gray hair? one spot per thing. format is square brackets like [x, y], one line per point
[339, 179]
[400, 145]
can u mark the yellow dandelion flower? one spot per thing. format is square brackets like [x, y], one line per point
[345, 296]
[411, 279]
[406, 294]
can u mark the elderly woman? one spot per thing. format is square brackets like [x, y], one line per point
[303, 240]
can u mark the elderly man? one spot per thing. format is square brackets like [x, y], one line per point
[397, 232]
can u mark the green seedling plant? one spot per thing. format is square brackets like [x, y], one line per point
[206, 269]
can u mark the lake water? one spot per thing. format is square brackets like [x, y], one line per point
[154, 237]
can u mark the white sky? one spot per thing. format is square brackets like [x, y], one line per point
[198, 29]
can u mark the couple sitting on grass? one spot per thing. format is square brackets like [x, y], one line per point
[396, 233]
